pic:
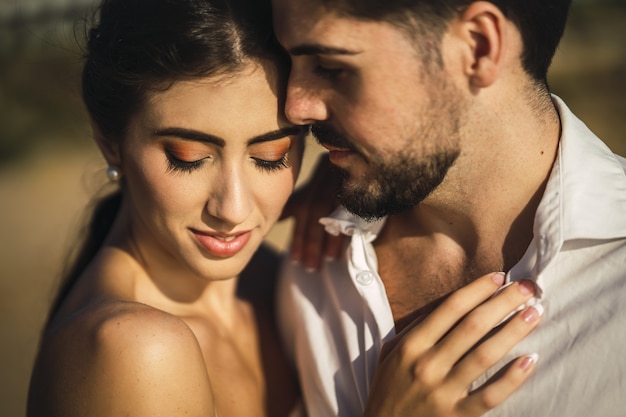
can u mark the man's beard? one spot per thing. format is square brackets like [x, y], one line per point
[401, 180]
[395, 186]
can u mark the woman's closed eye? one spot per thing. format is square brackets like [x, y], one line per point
[185, 160]
[272, 155]
[272, 165]
[176, 164]
[266, 156]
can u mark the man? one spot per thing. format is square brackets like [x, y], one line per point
[439, 117]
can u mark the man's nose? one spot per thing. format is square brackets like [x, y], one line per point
[305, 104]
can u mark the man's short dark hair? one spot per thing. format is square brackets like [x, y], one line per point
[540, 22]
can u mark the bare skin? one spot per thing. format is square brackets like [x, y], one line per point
[163, 322]
[374, 86]
[128, 357]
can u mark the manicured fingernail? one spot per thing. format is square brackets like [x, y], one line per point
[529, 361]
[499, 277]
[532, 313]
[526, 287]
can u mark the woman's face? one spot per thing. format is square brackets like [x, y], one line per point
[208, 166]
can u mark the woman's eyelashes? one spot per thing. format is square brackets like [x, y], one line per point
[176, 164]
[269, 166]
[179, 165]
[272, 155]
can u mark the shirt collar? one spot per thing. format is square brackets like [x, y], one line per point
[585, 197]
[586, 192]
[341, 221]
[592, 180]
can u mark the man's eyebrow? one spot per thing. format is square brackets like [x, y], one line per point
[194, 135]
[316, 49]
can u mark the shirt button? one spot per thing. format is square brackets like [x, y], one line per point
[365, 278]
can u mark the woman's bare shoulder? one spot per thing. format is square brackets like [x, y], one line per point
[120, 358]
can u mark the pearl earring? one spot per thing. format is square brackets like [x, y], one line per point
[113, 174]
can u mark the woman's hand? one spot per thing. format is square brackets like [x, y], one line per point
[427, 369]
[310, 244]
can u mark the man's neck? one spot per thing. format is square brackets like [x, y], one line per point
[479, 220]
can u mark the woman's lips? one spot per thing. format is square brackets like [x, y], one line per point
[222, 246]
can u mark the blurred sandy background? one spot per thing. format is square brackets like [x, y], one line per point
[49, 168]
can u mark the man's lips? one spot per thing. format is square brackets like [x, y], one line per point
[222, 245]
[334, 148]
[338, 156]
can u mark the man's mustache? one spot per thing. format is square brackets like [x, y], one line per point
[327, 135]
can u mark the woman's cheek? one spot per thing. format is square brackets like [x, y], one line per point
[276, 194]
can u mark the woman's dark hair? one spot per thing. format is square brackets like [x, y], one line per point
[140, 46]
[540, 22]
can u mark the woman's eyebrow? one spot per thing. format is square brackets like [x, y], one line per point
[194, 135]
[190, 134]
[276, 134]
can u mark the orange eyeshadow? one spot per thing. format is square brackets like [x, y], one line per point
[272, 150]
[186, 152]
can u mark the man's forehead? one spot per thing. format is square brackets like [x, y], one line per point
[291, 15]
[294, 5]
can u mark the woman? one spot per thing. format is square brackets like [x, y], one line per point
[182, 98]
[155, 317]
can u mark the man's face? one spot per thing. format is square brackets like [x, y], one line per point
[389, 119]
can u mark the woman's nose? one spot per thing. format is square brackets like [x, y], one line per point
[232, 200]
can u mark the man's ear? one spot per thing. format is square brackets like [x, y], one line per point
[482, 30]
[110, 149]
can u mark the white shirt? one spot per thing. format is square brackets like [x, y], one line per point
[335, 321]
